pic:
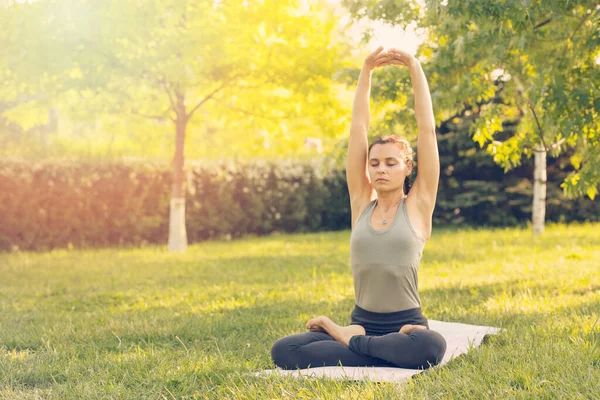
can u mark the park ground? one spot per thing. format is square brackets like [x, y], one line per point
[145, 323]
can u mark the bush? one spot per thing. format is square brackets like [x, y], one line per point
[54, 204]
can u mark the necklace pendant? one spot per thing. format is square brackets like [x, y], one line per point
[384, 222]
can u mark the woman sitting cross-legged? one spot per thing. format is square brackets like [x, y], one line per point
[391, 222]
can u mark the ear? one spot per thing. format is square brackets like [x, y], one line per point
[410, 164]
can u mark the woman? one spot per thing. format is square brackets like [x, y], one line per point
[390, 227]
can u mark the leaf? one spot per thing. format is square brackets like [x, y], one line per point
[591, 192]
[576, 161]
[28, 115]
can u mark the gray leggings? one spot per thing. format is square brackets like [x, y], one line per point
[383, 345]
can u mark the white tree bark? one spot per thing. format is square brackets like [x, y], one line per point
[539, 191]
[177, 232]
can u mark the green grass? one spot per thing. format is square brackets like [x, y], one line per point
[144, 323]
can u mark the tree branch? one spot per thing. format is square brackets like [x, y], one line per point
[157, 117]
[585, 17]
[269, 79]
[180, 108]
[542, 23]
[524, 146]
[251, 113]
[166, 87]
[208, 97]
[537, 121]
[572, 36]
[555, 145]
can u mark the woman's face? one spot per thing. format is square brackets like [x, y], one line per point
[387, 168]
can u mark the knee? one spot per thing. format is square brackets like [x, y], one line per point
[280, 354]
[435, 348]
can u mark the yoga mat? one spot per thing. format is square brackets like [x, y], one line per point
[459, 338]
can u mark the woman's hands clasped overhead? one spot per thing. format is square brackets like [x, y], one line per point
[380, 58]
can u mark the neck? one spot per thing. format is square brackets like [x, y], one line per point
[389, 199]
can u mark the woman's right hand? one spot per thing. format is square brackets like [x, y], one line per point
[376, 59]
[315, 325]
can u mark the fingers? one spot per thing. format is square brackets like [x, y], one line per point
[400, 54]
[371, 57]
[397, 51]
[393, 56]
[389, 60]
[383, 59]
[381, 62]
[377, 51]
[396, 57]
[390, 52]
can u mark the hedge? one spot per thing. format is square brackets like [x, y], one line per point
[58, 204]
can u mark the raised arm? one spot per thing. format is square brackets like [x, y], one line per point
[428, 175]
[357, 176]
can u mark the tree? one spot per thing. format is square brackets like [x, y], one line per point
[164, 61]
[541, 55]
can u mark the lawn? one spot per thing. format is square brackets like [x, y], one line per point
[144, 323]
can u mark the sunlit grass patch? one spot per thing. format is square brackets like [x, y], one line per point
[131, 323]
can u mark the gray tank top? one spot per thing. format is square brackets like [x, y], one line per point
[385, 262]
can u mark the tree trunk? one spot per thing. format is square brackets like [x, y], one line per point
[539, 191]
[177, 232]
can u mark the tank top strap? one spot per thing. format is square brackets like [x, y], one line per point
[365, 212]
[408, 223]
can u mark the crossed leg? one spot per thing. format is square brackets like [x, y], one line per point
[329, 344]
[422, 348]
[317, 349]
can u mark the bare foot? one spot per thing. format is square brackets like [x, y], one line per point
[341, 334]
[406, 329]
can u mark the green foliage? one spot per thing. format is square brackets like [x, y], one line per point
[543, 52]
[255, 197]
[45, 205]
[246, 78]
[474, 189]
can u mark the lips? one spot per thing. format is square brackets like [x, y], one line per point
[381, 180]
